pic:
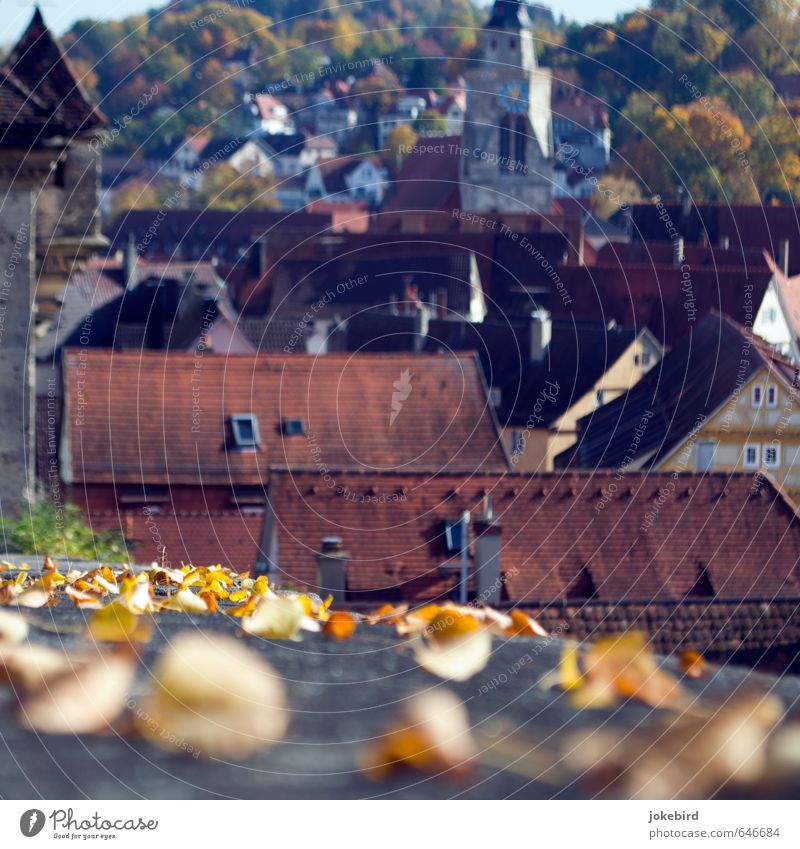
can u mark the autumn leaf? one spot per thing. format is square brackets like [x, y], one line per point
[275, 618]
[523, 625]
[13, 628]
[185, 601]
[83, 699]
[693, 664]
[340, 625]
[214, 697]
[27, 666]
[433, 737]
[454, 646]
[116, 623]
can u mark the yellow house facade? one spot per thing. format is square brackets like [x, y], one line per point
[757, 429]
[534, 444]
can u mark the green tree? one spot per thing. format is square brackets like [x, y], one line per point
[62, 532]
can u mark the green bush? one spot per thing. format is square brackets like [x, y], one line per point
[61, 532]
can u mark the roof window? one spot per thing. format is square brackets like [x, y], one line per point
[244, 429]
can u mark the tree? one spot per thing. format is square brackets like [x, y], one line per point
[400, 142]
[62, 532]
[431, 123]
[224, 187]
[613, 194]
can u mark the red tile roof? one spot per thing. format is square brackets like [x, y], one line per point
[229, 537]
[428, 178]
[747, 537]
[154, 417]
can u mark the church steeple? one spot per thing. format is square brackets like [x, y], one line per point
[509, 14]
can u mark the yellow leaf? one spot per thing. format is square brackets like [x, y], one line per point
[116, 623]
[275, 618]
[13, 628]
[693, 664]
[457, 657]
[185, 601]
[213, 698]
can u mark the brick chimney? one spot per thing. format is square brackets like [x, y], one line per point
[332, 569]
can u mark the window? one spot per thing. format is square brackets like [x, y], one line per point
[244, 429]
[599, 397]
[293, 427]
[512, 44]
[704, 456]
[772, 395]
[758, 392]
[452, 535]
[770, 315]
[505, 140]
[519, 144]
[751, 456]
[495, 396]
[772, 456]
[646, 358]
[60, 173]
[517, 441]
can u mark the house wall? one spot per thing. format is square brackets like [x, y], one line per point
[739, 423]
[540, 446]
[771, 323]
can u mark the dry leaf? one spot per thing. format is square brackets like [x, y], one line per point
[213, 697]
[84, 699]
[28, 666]
[116, 623]
[13, 628]
[693, 664]
[340, 625]
[434, 737]
[34, 597]
[624, 665]
[455, 646]
[185, 601]
[684, 757]
[523, 625]
[275, 618]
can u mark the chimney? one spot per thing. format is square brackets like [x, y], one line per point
[441, 303]
[487, 538]
[785, 256]
[420, 318]
[129, 258]
[331, 569]
[541, 329]
[678, 252]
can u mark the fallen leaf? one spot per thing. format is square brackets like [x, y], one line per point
[84, 699]
[683, 757]
[34, 597]
[116, 623]
[340, 625]
[13, 628]
[185, 601]
[275, 618]
[213, 697]
[456, 652]
[523, 625]
[27, 665]
[433, 737]
[693, 664]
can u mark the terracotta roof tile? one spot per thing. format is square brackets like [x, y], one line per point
[555, 528]
[155, 417]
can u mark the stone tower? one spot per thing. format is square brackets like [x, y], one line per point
[49, 173]
[507, 157]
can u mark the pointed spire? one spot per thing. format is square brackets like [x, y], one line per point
[37, 19]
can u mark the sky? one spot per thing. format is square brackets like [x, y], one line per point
[61, 14]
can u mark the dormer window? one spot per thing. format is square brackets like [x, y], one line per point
[293, 427]
[244, 430]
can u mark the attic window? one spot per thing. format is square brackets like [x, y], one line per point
[293, 427]
[453, 532]
[244, 428]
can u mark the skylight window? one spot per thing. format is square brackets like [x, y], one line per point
[293, 427]
[244, 429]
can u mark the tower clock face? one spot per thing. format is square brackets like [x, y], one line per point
[514, 97]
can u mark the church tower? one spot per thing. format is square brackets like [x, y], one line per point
[507, 157]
